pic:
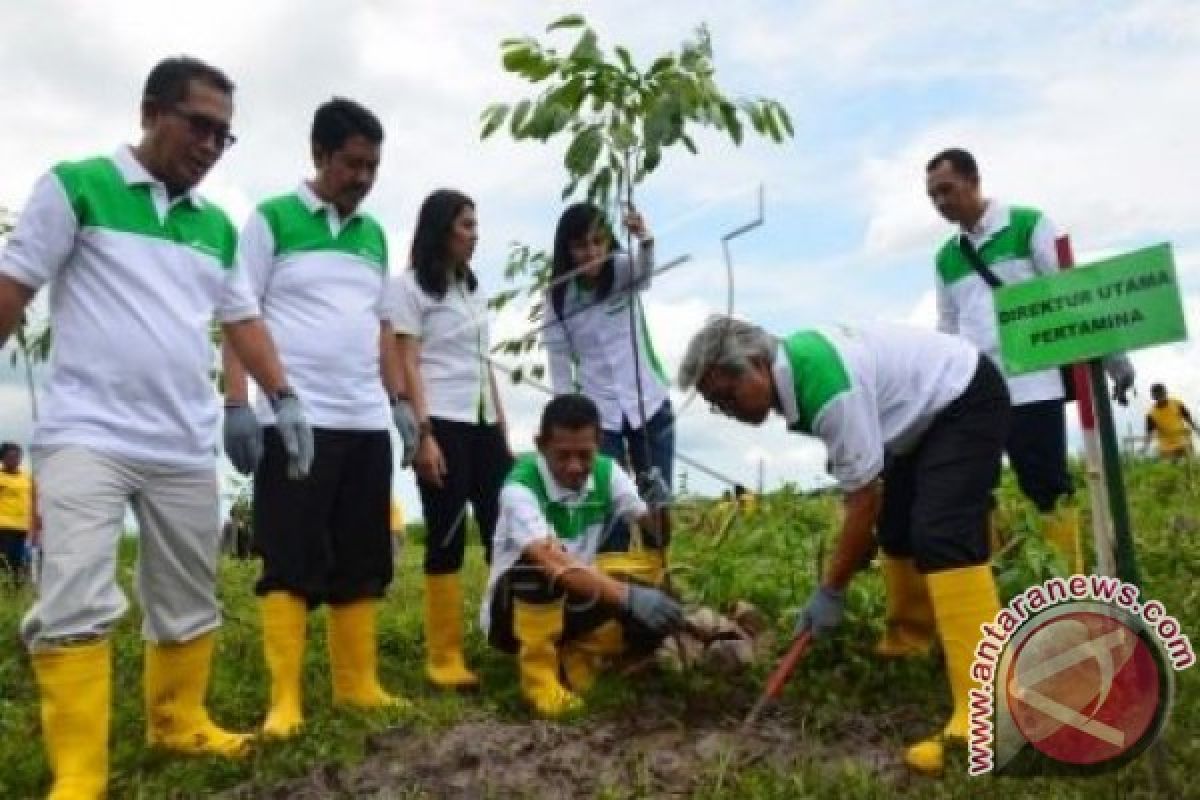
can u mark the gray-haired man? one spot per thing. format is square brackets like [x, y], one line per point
[914, 423]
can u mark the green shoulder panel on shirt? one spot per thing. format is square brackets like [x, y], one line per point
[1013, 241]
[818, 375]
[101, 199]
[297, 229]
[567, 522]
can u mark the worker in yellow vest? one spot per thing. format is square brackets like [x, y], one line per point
[16, 509]
[1171, 425]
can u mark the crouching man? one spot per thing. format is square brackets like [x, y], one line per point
[923, 403]
[546, 602]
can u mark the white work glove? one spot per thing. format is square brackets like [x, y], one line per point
[295, 432]
[654, 608]
[653, 489]
[406, 426]
[823, 613]
[243, 438]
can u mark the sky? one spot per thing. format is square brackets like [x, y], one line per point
[1084, 109]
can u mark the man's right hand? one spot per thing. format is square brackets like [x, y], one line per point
[654, 608]
[243, 438]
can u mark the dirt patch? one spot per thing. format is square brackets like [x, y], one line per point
[650, 755]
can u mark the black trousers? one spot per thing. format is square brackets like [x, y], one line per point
[1037, 450]
[529, 584]
[326, 538]
[477, 462]
[12, 552]
[937, 497]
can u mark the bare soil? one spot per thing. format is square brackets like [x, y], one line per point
[648, 755]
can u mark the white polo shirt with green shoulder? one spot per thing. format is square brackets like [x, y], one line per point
[1016, 244]
[135, 281]
[320, 280]
[870, 389]
[533, 507]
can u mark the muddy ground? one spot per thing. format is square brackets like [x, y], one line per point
[651, 755]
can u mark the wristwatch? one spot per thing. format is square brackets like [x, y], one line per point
[279, 395]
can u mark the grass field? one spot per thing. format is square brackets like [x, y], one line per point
[841, 694]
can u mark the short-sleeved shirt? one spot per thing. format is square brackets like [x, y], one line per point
[1169, 423]
[534, 507]
[869, 390]
[135, 281]
[590, 349]
[1017, 244]
[16, 500]
[453, 335]
[320, 280]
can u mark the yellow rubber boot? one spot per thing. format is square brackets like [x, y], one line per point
[909, 626]
[75, 684]
[1061, 531]
[584, 658]
[537, 628]
[963, 600]
[176, 681]
[353, 657]
[643, 566]
[445, 665]
[284, 627]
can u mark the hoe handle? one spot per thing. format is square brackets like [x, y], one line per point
[787, 665]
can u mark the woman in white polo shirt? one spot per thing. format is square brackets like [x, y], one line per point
[440, 318]
[596, 344]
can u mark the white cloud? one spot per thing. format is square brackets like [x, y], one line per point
[1085, 111]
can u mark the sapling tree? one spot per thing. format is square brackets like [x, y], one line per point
[622, 118]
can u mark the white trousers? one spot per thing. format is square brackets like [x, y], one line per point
[82, 496]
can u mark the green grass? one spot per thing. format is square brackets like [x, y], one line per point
[768, 559]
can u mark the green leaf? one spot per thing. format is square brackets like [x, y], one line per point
[537, 372]
[729, 118]
[784, 119]
[661, 64]
[587, 49]
[626, 59]
[688, 143]
[600, 186]
[518, 58]
[569, 21]
[518, 116]
[651, 160]
[583, 151]
[493, 117]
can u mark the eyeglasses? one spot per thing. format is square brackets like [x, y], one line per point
[206, 128]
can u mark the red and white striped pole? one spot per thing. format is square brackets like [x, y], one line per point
[1102, 523]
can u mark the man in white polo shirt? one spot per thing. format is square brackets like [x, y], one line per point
[138, 265]
[319, 265]
[998, 245]
[914, 424]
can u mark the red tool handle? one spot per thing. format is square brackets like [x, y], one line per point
[787, 665]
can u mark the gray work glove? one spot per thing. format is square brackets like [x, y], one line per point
[243, 438]
[823, 613]
[653, 489]
[654, 609]
[296, 434]
[1120, 372]
[406, 426]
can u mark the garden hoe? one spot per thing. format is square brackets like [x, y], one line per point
[778, 679]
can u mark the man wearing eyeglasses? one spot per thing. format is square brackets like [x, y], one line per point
[139, 265]
[914, 423]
